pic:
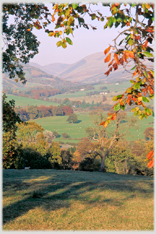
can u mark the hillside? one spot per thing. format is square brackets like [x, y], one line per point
[36, 77]
[90, 69]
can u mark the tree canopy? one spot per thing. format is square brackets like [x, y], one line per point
[132, 47]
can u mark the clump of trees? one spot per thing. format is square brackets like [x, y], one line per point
[34, 112]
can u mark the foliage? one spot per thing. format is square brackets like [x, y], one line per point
[65, 135]
[34, 159]
[133, 48]
[86, 164]
[55, 155]
[11, 148]
[10, 118]
[72, 118]
[84, 147]
[27, 131]
[149, 134]
[66, 160]
[49, 136]
[55, 133]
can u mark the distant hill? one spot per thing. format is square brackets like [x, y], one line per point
[36, 77]
[90, 69]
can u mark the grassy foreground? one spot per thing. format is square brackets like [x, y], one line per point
[76, 200]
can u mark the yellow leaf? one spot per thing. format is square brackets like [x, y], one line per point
[139, 99]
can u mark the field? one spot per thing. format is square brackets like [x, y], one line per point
[24, 101]
[77, 131]
[76, 200]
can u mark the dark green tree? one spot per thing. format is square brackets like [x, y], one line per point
[72, 118]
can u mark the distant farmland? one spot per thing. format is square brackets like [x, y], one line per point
[77, 131]
[24, 101]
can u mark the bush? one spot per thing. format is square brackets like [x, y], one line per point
[86, 165]
[65, 135]
[34, 159]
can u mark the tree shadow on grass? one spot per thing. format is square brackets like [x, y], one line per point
[55, 195]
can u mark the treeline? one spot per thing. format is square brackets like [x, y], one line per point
[46, 92]
[34, 112]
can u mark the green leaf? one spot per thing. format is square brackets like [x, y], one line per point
[119, 96]
[121, 42]
[136, 86]
[117, 107]
[69, 41]
[133, 68]
[141, 116]
[110, 22]
[130, 41]
[123, 107]
[145, 99]
[64, 45]
[147, 54]
[152, 113]
[93, 16]
[59, 43]
[129, 90]
[74, 5]
[114, 98]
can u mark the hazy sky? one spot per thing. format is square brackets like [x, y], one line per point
[85, 42]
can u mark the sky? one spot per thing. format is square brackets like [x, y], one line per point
[85, 42]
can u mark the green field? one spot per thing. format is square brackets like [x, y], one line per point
[111, 87]
[76, 200]
[77, 131]
[24, 101]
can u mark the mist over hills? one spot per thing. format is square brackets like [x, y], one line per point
[90, 69]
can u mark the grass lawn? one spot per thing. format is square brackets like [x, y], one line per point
[24, 101]
[76, 200]
[77, 131]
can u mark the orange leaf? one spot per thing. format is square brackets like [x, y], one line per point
[107, 50]
[107, 59]
[116, 58]
[150, 154]
[128, 23]
[129, 54]
[107, 73]
[113, 116]
[135, 73]
[28, 29]
[124, 58]
[146, 42]
[53, 18]
[110, 63]
[151, 163]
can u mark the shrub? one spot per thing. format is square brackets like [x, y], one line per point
[65, 135]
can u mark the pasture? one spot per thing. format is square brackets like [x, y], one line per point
[24, 101]
[76, 200]
[77, 131]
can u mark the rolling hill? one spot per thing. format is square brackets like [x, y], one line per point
[36, 77]
[90, 69]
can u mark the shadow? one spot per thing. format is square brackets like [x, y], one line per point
[57, 192]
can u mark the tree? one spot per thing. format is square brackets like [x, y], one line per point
[149, 134]
[11, 148]
[55, 154]
[49, 136]
[65, 135]
[133, 48]
[72, 118]
[28, 130]
[84, 147]
[107, 139]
